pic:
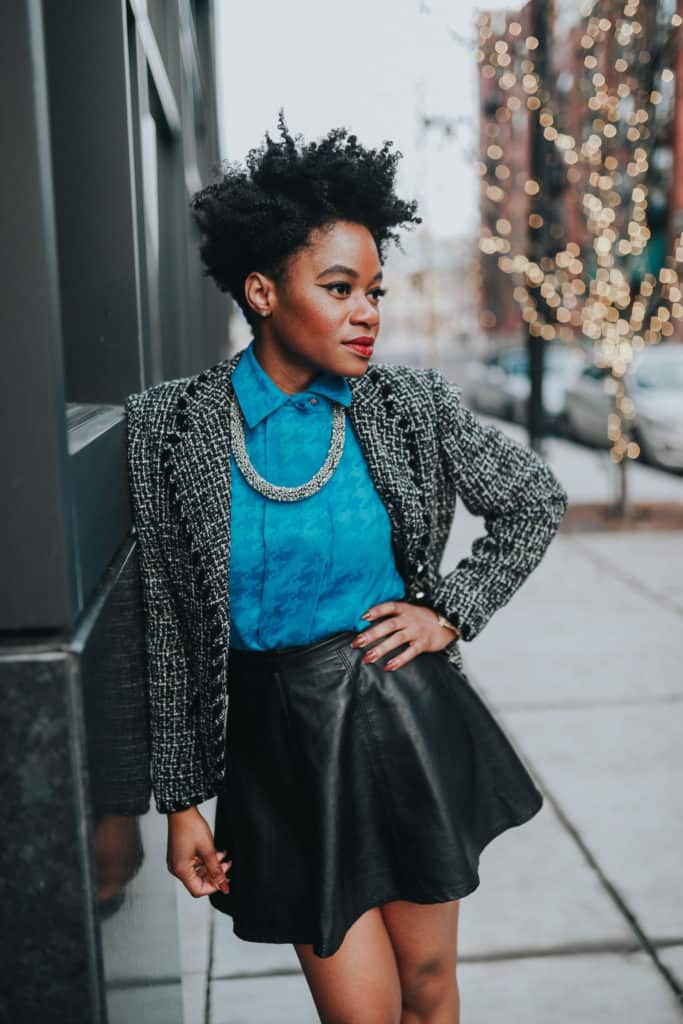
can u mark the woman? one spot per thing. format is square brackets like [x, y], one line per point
[292, 505]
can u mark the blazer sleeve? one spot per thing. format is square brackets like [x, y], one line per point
[177, 776]
[516, 493]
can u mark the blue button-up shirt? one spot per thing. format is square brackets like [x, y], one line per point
[302, 570]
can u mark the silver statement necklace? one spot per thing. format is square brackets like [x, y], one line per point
[276, 491]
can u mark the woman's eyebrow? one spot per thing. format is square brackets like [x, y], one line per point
[339, 268]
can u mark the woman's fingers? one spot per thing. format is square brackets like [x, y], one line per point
[397, 639]
[221, 854]
[225, 864]
[379, 630]
[197, 885]
[214, 869]
[384, 608]
[404, 657]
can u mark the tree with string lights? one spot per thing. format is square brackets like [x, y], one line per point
[576, 249]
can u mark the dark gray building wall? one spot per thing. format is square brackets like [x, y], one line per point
[107, 126]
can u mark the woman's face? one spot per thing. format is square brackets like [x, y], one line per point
[328, 300]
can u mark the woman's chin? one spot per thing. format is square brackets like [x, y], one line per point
[355, 365]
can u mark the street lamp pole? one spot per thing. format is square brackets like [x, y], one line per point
[539, 204]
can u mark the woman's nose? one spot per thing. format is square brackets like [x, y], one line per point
[366, 312]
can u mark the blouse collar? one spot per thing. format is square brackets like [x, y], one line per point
[259, 395]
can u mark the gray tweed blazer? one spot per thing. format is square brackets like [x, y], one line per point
[424, 448]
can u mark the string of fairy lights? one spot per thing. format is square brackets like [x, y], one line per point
[606, 168]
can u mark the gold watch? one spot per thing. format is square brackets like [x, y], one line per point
[449, 625]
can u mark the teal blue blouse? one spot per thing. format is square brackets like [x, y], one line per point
[302, 570]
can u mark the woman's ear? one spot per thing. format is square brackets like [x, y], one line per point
[259, 292]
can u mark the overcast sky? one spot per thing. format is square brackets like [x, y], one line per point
[371, 65]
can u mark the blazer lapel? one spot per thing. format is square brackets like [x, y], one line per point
[383, 444]
[202, 466]
[200, 462]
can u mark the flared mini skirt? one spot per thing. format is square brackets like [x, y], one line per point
[348, 786]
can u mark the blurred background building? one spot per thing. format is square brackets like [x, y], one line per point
[507, 127]
[580, 247]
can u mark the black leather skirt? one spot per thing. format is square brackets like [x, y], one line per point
[348, 787]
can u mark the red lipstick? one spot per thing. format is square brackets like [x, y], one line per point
[361, 346]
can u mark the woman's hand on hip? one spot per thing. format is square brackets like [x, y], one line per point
[406, 623]
[191, 855]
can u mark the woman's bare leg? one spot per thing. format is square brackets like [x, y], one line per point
[424, 938]
[359, 984]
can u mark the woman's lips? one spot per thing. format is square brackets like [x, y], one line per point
[362, 348]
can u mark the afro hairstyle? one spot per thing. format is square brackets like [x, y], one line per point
[257, 215]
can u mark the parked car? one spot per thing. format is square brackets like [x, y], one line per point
[656, 387]
[654, 382]
[587, 406]
[501, 387]
[562, 365]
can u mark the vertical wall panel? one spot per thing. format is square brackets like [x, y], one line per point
[101, 295]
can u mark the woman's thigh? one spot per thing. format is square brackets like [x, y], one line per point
[424, 938]
[359, 984]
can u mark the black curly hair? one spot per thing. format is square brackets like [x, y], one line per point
[256, 217]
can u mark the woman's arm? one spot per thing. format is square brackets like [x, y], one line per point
[520, 499]
[178, 780]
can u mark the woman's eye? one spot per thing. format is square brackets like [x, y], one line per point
[376, 293]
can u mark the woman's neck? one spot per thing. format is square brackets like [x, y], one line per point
[289, 376]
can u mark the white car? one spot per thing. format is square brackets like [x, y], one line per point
[654, 382]
[656, 387]
[562, 366]
[501, 380]
[501, 386]
[588, 405]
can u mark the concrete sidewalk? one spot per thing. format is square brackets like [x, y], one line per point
[579, 914]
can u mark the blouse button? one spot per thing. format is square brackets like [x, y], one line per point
[313, 401]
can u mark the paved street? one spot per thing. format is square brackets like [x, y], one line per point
[579, 914]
